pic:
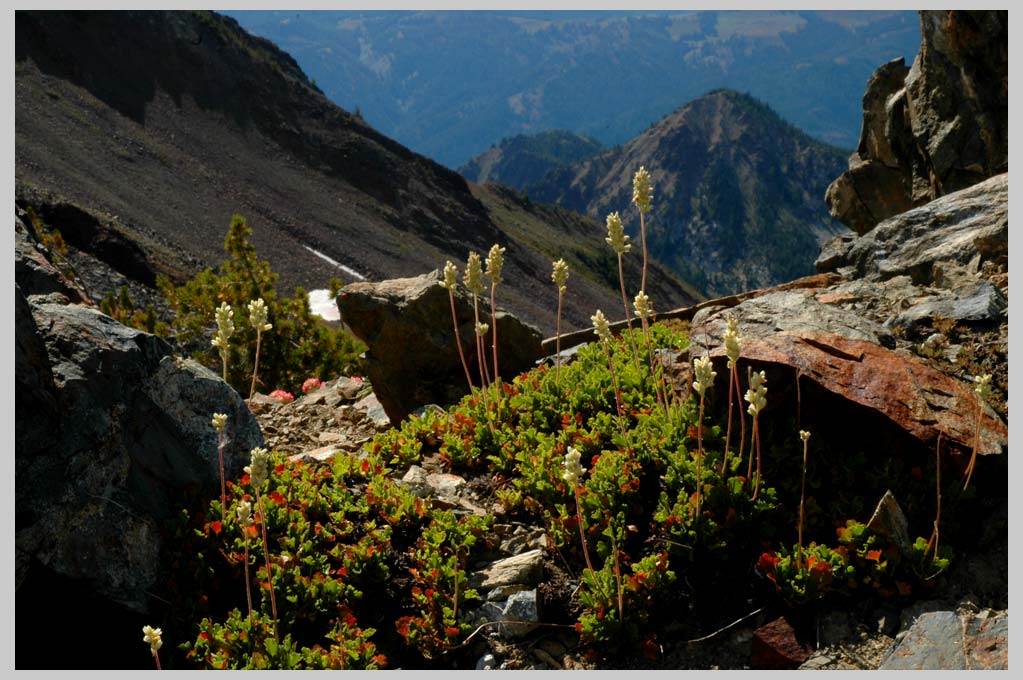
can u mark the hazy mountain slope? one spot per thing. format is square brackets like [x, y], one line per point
[167, 123]
[448, 84]
[524, 159]
[738, 197]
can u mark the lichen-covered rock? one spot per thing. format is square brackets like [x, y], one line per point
[127, 436]
[412, 358]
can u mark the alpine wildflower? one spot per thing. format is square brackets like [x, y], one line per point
[225, 329]
[733, 348]
[642, 197]
[450, 282]
[559, 275]
[982, 388]
[154, 638]
[805, 436]
[219, 421]
[473, 280]
[619, 242]
[756, 395]
[573, 475]
[495, 264]
[705, 374]
[645, 310]
[259, 471]
[257, 317]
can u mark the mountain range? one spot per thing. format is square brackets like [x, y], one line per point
[163, 124]
[738, 190]
[450, 84]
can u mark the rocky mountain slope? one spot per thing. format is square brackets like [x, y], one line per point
[605, 74]
[737, 192]
[523, 160]
[161, 125]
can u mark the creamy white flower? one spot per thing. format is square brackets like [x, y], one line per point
[732, 341]
[756, 395]
[259, 467]
[573, 470]
[642, 190]
[450, 276]
[560, 275]
[495, 263]
[219, 421]
[152, 637]
[257, 315]
[474, 274]
[225, 326]
[983, 386]
[616, 236]
[704, 372]
[244, 512]
[601, 326]
[644, 308]
[482, 328]
[804, 435]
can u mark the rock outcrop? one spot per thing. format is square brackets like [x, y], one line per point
[934, 128]
[413, 357]
[111, 432]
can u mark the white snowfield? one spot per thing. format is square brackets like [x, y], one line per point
[320, 302]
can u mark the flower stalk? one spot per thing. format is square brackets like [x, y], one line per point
[983, 392]
[603, 330]
[219, 421]
[450, 282]
[225, 329]
[257, 317]
[259, 471]
[644, 310]
[642, 197]
[559, 276]
[805, 436]
[705, 374]
[733, 344]
[619, 242]
[757, 398]
[244, 512]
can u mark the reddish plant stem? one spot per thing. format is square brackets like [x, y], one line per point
[699, 459]
[266, 555]
[255, 368]
[976, 445]
[493, 323]
[653, 372]
[156, 655]
[458, 341]
[756, 434]
[557, 357]
[618, 398]
[642, 232]
[742, 418]
[618, 577]
[248, 590]
[223, 487]
[628, 314]
[731, 402]
[454, 610]
[802, 510]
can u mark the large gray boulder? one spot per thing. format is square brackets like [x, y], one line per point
[115, 434]
[967, 228]
[934, 128]
[412, 358]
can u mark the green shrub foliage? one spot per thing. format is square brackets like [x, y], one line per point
[298, 347]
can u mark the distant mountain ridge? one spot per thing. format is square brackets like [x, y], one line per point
[524, 159]
[164, 124]
[738, 192]
[449, 83]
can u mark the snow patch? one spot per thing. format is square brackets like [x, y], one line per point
[322, 305]
[346, 270]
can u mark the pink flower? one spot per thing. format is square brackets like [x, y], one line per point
[282, 396]
[311, 384]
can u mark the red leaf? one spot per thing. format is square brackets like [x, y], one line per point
[277, 498]
[767, 561]
[216, 526]
[874, 555]
[252, 530]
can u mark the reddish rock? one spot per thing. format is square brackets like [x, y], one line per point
[917, 398]
[776, 646]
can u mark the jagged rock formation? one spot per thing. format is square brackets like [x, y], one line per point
[934, 128]
[111, 432]
[413, 357]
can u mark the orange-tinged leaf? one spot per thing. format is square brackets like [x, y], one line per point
[216, 526]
